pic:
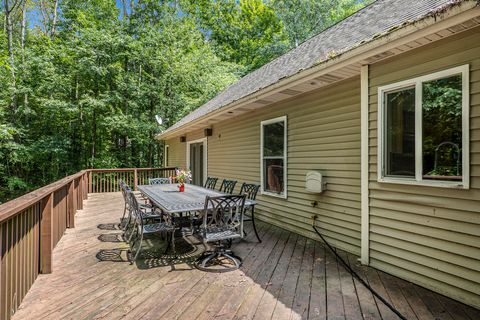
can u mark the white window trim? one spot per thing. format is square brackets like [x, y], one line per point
[166, 155]
[205, 156]
[262, 182]
[417, 83]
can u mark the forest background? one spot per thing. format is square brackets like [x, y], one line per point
[82, 81]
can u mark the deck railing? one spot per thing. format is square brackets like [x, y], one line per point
[106, 180]
[32, 225]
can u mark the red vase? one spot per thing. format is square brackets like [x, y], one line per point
[181, 188]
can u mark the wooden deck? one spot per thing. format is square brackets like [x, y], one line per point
[285, 277]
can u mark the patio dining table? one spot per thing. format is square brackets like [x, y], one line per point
[170, 200]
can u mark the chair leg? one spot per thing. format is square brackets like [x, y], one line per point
[208, 258]
[121, 225]
[139, 248]
[127, 224]
[134, 229]
[168, 245]
[235, 260]
[254, 227]
[173, 243]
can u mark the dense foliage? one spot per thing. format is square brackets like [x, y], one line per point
[82, 81]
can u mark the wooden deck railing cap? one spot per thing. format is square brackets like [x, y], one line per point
[16, 205]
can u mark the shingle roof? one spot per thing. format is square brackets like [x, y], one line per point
[379, 17]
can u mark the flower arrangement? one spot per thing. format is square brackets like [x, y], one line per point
[183, 176]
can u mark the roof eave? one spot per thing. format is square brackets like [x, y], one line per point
[441, 19]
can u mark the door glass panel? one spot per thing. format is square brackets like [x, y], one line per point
[196, 163]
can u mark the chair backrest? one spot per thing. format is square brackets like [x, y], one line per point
[228, 186]
[211, 183]
[250, 190]
[159, 181]
[124, 188]
[134, 207]
[224, 212]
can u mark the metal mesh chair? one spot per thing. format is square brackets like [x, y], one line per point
[211, 183]
[222, 222]
[149, 212]
[159, 181]
[250, 190]
[141, 229]
[123, 187]
[227, 186]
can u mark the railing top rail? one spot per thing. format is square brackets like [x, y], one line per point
[16, 205]
[12, 207]
[130, 169]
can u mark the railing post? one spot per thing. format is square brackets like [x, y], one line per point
[70, 206]
[135, 179]
[85, 186]
[3, 274]
[75, 195]
[90, 186]
[46, 234]
[80, 193]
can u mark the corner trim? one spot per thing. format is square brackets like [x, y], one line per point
[365, 223]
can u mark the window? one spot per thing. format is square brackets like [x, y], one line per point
[423, 130]
[274, 156]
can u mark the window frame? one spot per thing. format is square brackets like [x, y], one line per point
[262, 157]
[381, 131]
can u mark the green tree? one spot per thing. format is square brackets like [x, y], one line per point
[246, 32]
[303, 19]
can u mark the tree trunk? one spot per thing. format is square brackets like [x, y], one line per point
[9, 25]
[94, 139]
[54, 22]
[23, 33]
[124, 6]
[23, 30]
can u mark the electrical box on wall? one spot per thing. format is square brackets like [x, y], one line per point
[314, 182]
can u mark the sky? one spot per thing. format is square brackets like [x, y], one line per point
[34, 16]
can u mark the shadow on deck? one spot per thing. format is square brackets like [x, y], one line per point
[285, 277]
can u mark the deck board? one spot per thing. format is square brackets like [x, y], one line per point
[285, 277]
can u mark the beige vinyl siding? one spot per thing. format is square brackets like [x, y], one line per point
[429, 235]
[178, 150]
[177, 154]
[323, 134]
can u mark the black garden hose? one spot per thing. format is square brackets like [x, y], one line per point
[354, 274]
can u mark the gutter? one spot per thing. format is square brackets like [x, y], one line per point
[441, 18]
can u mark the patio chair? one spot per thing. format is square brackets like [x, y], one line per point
[227, 186]
[211, 183]
[141, 228]
[149, 212]
[123, 188]
[250, 190]
[159, 181]
[222, 222]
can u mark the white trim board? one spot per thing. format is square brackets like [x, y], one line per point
[205, 156]
[166, 155]
[365, 212]
[285, 157]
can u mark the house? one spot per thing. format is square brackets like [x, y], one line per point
[386, 106]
